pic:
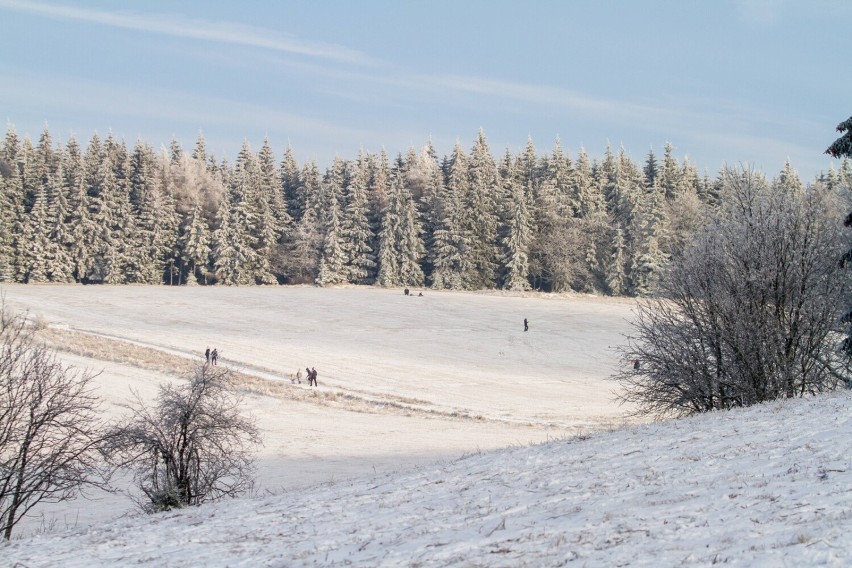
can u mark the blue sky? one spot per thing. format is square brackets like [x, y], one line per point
[725, 81]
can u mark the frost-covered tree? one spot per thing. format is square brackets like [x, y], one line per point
[332, 269]
[749, 312]
[355, 226]
[192, 446]
[481, 216]
[400, 246]
[516, 243]
[50, 426]
[450, 264]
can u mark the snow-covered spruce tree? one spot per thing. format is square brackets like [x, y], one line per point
[195, 245]
[748, 313]
[481, 215]
[59, 257]
[355, 225]
[50, 427]
[34, 264]
[192, 447]
[273, 220]
[291, 185]
[517, 241]
[842, 147]
[332, 268]
[450, 242]
[400, 244]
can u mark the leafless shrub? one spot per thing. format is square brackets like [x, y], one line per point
[193, 446]
[50, 432]
[750, 312]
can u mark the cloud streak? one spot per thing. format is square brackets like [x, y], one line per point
[220, 32]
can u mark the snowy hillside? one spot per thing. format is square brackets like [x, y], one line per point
[766, 486]
[403, 381]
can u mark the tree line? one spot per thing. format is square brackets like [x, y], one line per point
[113, 214]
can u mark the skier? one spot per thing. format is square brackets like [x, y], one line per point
[526, 325]
[207, 354]
[214, 355]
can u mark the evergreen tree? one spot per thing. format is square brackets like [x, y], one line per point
[451, 240]
[401, 247]
[788, 181]
[518, 238]
[195, 245]
[332, 268]
[481, 216]
[355, 226]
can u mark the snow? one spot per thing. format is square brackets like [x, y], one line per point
[765, 486]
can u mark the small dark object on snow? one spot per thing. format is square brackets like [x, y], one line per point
[526, 325]
[406, 291]
[636, 364]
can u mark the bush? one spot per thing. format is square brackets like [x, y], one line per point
[749, 312]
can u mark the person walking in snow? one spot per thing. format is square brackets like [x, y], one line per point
[310, 377]
[214, 355]
[298, 377]
[526, 325]
[207, 354]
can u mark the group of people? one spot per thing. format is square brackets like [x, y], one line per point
[211, 356]
[312, 377]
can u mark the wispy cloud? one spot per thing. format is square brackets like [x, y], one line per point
[177, 26]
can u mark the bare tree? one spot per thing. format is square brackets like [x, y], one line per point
[192, 447]
[749, 312]
[50, 431]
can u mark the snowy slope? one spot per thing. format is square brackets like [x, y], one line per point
[766, 486]
[450, 355]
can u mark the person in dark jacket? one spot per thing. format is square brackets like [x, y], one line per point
[214, 356]
[526, 325]
[207, 354]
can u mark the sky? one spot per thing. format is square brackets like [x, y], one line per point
[726, 82]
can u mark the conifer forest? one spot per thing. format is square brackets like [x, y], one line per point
[549, 221]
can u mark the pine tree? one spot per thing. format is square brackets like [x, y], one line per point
[11, 204]
[517, 240]
[291, 186]
[355, 226]
[788, 181]
[451, 239]
[332, 268]
[615, 274]
[195, 245]
[401, 247]
[481, 216]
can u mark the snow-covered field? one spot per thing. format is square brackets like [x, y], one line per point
[445, 374]
[375, 477]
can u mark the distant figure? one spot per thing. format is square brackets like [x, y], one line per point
[526, 325]
[310, 377]
[207, 354]
[636, 364]
[214, 356]
[297, 378]
[314, 376]
[420, 294]
[406, 291]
